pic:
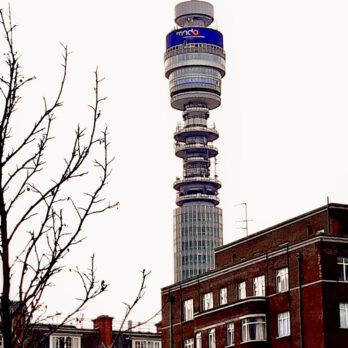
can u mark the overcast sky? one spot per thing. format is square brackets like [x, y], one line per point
[283, 121]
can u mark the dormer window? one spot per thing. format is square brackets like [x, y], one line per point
[64, 341]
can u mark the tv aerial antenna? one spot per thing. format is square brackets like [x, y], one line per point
[245, 220]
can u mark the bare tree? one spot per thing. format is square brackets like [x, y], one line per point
[36, 209]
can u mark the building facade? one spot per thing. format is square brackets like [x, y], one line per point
[101, 335]
[284, 287]
[195, 64]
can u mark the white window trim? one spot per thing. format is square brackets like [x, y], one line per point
[256, 315]
[241, 288]
[343, 264]
[199, 339]
[208, 301]
[247, 325]
[257, 283]
[284, 316]
[211, 335]
[75, 338]
[223, 296]
[281, 276]
[188, 309]
[344, 306]
[189, 343]
[146, 343]
[233, 334]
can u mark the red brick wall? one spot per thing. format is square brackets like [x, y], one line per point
[271, 305]
[271, 239]
[320, 299]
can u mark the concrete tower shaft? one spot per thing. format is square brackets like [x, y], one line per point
[195, 64]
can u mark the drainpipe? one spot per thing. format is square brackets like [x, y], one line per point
[171, 299]
[266, 295]
[181, 315]
[299, 260]
[289, 291]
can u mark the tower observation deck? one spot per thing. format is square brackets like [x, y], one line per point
[195, 64]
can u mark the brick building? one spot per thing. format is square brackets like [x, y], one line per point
[285, 286]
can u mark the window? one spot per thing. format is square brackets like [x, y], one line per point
[223, 296]
[189, 56]
[65, 342]
[254, 329]
[241, 290]
[153, 344]
[140, 344]
[188, 343]
[259, 286]
[146, 344]
[188, 309]
[283, 320]
[198, 340]
[212, 342]
[282, 280]
[207, 301]
[344, 315]
[342, 263]
[230, 334]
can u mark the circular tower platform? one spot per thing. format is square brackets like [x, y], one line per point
[200, 12]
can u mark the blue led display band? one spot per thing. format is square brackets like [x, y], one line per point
[193, 35]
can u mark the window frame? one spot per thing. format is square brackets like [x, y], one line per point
[241, 290]
[343, 307]
[246, 326]
[212, 335]
[208, 301]
[199, 339]
[344, 265]
[283, 317]
[188, 309]
[189, 343]
[75, 340]
[230, 333]
[279, 288]
[139, 343]
[223, 296]
[146, 343]
[257, 283]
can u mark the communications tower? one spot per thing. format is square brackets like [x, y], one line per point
[194, 64]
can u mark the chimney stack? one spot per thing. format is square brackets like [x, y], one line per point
[104, 324]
